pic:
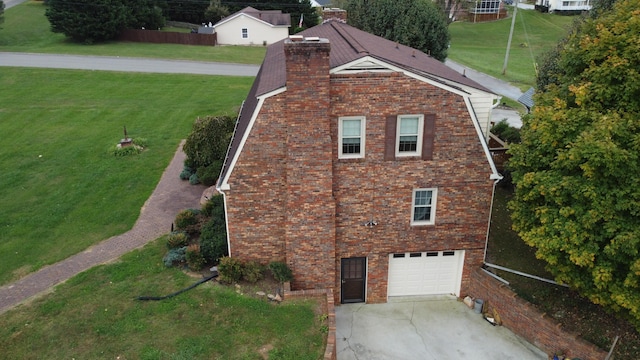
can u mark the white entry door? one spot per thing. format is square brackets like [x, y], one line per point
[425, 273]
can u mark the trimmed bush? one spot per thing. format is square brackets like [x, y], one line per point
[252, 272]
[193, 179]
[175, 256]
[195, 261]
[281, 271]
[177, 239]
[230, 270]
[119, 151]
[186, 173]
[214, 207]
[186, 218]
[209, 174]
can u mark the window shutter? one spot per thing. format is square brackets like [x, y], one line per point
[390, 138]
[428, 136]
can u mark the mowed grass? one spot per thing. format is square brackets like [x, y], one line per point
[27, 29]
[482, 46]
[61, 189]
[95, 315]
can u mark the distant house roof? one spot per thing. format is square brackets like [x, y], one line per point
[271, 17]
[347, 45]
[320, 3]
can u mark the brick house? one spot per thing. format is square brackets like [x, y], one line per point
[363, 164]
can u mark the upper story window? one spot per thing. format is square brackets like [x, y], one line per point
[351, 132]
[245, 33]
[409, 135]
[423, 207]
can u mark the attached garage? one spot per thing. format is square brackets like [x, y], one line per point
[425, 273]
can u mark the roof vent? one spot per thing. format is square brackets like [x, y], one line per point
[312, 38]
[296, 38]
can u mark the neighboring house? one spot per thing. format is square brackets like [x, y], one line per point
[487, 10]
[320, 3]
[364, 165]
[250, 26]
[572, 6]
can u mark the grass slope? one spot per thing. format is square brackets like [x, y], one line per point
[95, 316]
[26, 29]
[482, 46]
[62, 190]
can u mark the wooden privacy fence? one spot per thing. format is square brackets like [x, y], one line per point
[166, 37]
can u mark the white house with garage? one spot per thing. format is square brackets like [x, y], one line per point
[250, 26]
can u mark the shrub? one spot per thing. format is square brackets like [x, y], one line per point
[175, 256]
[186, 218]
[281, 271]
[230, 270]
[252, 272]
[193, 179]
[120, 151]
[209, 174]
[142, 142]
[186, 173]
[214, 207]
[177, 239]
[195, 261]
[213, 240]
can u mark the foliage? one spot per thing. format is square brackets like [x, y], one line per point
[208, 140]
[186, 173]
[208, 175]
[230, 270]
[252, 271]
[191, 11]
[576, 170]
[1, 12]
[281, 271]
[296, 8]
[122, 151]
[146, 14]
[193, 179]
[177, 239]
[213, 235]
[506, 132]
[186, 218]
[420, 24]
[215, 12]
[194, 258]
[175, 256]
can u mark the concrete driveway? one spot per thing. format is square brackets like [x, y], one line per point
[425, 329]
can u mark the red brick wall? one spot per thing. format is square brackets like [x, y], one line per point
[292, 199]
[373, 187]
[528, 322]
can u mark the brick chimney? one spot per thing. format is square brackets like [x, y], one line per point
[334, 14]
[310, 206]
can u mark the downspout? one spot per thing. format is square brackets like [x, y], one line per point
[496, 178]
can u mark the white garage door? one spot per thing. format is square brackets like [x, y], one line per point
[425, 273]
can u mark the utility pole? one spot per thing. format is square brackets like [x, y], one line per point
[513, 23]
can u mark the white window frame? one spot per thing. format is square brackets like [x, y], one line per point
[245, 33]
[363, 127]
[418, 151]
[434, 200]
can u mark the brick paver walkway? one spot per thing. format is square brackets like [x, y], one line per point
[169, 197]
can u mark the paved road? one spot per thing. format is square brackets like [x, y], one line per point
[115, 63]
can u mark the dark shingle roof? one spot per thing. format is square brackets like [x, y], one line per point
[347, 44]
[273, 17]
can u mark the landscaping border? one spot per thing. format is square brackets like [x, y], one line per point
[525, 320]
[331, 350]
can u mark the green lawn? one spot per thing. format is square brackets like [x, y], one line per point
[61, 190]
[482, 46]
[26, 29]
[95, 316]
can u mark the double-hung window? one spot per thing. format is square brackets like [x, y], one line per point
[245, 33]
[423, 207]
[409, 135]
[351, 132]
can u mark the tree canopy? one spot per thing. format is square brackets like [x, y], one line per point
[420, 24]
[101, 20]
[577, 169]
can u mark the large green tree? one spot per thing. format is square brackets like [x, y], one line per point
[421, 24]
[577, 169]
[101, 20]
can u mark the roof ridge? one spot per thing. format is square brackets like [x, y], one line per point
[349, 38]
